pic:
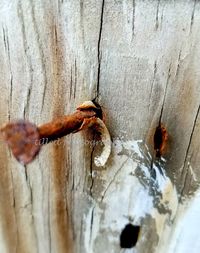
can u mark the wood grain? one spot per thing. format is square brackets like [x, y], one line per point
[140, 59]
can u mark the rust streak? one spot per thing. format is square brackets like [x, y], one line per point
[160, 140]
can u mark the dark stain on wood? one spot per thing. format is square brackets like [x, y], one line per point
[160, 140]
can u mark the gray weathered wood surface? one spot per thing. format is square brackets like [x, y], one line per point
[142, 60]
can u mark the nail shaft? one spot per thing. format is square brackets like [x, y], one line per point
[64, 125]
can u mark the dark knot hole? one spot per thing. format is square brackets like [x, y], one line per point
[129, 236]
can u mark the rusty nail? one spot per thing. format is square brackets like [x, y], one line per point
[24, 138]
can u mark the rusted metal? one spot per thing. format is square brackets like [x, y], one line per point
[25, 139]
[64, 125]
[21, 137]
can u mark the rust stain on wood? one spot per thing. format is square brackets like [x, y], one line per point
[61, 204]
[7, 207]
[160, 140]
[62, 227]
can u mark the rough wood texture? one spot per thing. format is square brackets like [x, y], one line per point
[141, 60]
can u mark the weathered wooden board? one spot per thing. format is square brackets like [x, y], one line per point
[141, 60]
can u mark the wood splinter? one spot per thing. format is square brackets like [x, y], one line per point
[25, 139]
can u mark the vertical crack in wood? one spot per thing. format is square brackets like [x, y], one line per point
[31, 204]
[56, 40]
[7, 50]
[11, 75]
[152, 83]
[28, 185]
[14, 210]
[32, 216]
[178, 64]
[41, 52]
[98, 84]
[73, 81]
[28, 57]
[192, 16]
[91, 224]
[10, 96]
[165, 94]
[4, 39]
[113, 179]
[185, 164]
[71, 84]
[157, 12]
[75, 74]
[133, 20]
[91, 170]
[98, 48]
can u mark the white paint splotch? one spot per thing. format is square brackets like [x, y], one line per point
[133, 191]
[183, 235]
